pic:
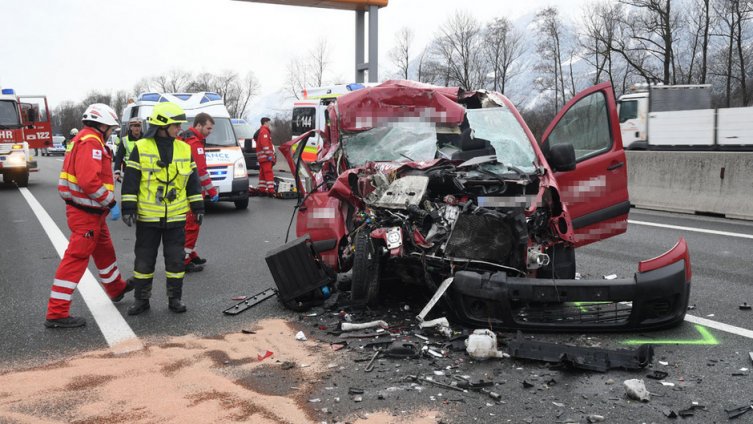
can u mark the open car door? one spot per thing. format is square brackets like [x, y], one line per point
[596, 191]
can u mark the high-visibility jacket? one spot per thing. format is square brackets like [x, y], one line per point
[196, 140]
[86, 178]
[123, 151]
[265, 151]
[163, 193]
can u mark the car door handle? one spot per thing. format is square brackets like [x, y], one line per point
[614, 166]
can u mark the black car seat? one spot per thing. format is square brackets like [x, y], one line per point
[471, 147]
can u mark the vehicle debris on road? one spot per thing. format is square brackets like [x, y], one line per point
[636, 389]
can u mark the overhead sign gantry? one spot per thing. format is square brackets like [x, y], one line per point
[360, 7]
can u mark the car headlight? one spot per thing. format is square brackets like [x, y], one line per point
[239, 169]
[16, 159]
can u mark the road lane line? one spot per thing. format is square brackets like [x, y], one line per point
[695, 230]
[113, 326]
[744, 332]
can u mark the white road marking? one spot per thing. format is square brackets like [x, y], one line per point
[744, 332]
[113, 326]
[61, 160]
[695, 230]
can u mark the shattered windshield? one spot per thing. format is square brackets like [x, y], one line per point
[395, 141]
[499, 126]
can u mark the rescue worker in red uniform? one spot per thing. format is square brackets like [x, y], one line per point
[160, 186]
[86, 185]
[265, 153]
[196, 136]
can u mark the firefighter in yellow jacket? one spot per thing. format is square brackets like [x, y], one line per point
[160, 185]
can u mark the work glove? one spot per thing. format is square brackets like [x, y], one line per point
[199, 218]
[115, 212]
[215, 198]
[129, 218]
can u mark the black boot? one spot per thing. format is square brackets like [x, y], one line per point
[141, 305]
[198, 261]
[128, 287]
[67, 322]
[176, 305]
[192, 267]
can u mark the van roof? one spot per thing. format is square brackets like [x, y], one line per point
[192, 103]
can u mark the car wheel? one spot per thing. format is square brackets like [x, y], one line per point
[367, 269]
[241, 204]
[22, 180]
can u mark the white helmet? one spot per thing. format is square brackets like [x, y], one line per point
[74, 131]
[102, 114]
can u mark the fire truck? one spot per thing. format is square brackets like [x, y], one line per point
[25, 124]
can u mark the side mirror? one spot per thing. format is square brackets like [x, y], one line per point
[562, 157]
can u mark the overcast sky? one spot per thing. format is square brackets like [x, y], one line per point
[66, 48]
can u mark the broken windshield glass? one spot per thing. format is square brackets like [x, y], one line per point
[395, 142]
[499, 126]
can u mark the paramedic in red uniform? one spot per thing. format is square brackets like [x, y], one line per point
[265, 153]
[196, 137]
[86, 185]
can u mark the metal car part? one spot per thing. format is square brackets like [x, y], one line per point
[403, 192]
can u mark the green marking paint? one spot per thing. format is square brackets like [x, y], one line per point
[707, 339]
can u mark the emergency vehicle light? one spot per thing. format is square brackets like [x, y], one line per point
[8, 91]
[208, 97]
[149, 97]
[355, 86]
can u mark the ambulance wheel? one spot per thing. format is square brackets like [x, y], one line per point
[241, 204]
[367, 267]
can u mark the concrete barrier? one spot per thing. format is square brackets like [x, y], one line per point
[690, 182]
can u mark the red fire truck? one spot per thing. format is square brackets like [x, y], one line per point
[25, 124]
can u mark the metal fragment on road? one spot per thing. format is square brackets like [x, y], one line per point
[434, 299]
[250, 302]
[349, 326]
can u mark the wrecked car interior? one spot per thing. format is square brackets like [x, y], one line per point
[448, 190]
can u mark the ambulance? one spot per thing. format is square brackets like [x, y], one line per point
[225, 161]
[311, 113]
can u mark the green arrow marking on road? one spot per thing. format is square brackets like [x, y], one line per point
[707, 339]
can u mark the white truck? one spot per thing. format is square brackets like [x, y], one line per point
[225, 162]
[679, 117]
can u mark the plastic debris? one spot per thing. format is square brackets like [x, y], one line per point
[348, 326]
[300, 336]
[636, 389]
[316, 400]
[667, 384]
[658, 375]
[595, 418]
[239, 298]
[266, 355]
[736, 412]
[482, 345]
[745, 307]
[441, 324]
[610, 277]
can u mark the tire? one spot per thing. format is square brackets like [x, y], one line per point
[22, 180]
[241, 204]
[367, 270]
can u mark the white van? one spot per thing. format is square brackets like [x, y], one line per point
[225, 161]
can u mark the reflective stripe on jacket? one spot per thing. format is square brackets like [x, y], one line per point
[162, 190]
[86, 178]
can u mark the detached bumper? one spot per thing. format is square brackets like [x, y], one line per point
[656, 297]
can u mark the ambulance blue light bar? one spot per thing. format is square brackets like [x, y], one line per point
[149, 97]
[8, 91]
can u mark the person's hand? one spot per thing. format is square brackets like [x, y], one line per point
[118, 176]
[215, 198]
[115, 212]
[129, 218]
[199, 218]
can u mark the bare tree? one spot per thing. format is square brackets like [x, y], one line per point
[700, 22]
[400, 53]
[297, 77]
[503, 45]
[653, 25]
[549, 47]
[174, 81]
[601, 22]
[733, 21]
[319, 57]
[460, 45]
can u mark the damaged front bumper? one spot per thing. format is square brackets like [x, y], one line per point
[656, 297]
